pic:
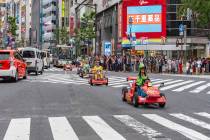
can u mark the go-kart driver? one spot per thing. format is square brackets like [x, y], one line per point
[97, 68]
[142, 77]
[86, 67]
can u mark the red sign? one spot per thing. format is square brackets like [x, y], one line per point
[144, 14]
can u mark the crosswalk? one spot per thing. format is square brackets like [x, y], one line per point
[194, 126]
[53, 69]
[174, 85]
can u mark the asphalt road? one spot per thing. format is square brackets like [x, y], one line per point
[62, 106]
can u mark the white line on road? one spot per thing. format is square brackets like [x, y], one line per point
[187, 132]
[19, 129]
[61, 129]
[175, 85]
[203, 114]
[191, 120]
[158, 82]
[118, 86]
[140, 127]
[201, 88]
[188, 86]
[102, 128]
[173, 82]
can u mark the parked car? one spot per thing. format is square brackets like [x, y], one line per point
[12, 65]
[33, 60]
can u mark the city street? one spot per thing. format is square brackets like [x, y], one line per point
[62, 106]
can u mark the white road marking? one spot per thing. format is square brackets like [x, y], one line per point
[191, 120]
[201, 88]
[175, 85]
[61, 129]
[188, 86]
[118, 86]
[139, 127]
[19, 129]
[187, 132]
[162, 81]
[68, 82]
[154, 80]
[203, 114]
[173, 82]
[102, 128]
[113, 84]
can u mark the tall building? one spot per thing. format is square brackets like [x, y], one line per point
[49, 23]
[35, 23]
[113, 28]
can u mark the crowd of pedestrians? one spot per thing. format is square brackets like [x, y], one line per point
[153, 64]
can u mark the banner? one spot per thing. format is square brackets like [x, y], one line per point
[63, 8]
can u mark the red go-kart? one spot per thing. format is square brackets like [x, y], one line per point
[130, 95]
[98, 81]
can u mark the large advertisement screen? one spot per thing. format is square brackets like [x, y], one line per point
[145, 19]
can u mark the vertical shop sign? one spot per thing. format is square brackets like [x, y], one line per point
[63, 8]
[119, 22]
[71, 25]
[107, 48]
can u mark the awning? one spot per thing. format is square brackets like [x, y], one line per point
[159, 47]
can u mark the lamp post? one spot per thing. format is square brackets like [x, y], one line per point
[130, 38]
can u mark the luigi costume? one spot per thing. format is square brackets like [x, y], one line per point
[142, 77]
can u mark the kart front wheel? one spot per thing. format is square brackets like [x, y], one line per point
[136, 100]
[124, 91]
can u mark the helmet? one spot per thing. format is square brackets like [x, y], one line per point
[141, 66]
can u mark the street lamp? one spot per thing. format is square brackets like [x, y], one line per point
[130, 37]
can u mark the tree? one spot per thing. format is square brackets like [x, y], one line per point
[62, 35]
[87, 29]
[12, 25]
[200, 9]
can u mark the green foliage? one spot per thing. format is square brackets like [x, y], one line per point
[201, 11]
[87, 31]
[12, 25]
[62, 35]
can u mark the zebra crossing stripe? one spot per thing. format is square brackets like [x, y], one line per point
[118, 86]
[187, 132]
[19, 129]
[188, 86]
[201, 88]
[68, 82]
[192, 120]
[61, 129]
[203, 114]
[158, 82]
[117, 83]
[176, 85]
[140, 127]
[102, 128]
[154, 80]
[173, 82]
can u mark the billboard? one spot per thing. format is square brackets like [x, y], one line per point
[107, 48]
[148, 21]
[145, 19]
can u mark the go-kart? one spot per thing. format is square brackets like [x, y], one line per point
[98, 81]
[67, 67]
[130, 95]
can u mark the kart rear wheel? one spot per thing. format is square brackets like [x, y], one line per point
[162, 105]
[124, 91]
[136, 100]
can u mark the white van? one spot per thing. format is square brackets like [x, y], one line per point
[33, 59]
[46, 59]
